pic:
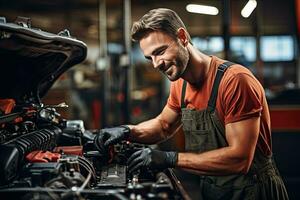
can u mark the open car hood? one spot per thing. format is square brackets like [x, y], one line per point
[31, 60]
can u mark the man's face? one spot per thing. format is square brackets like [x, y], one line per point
[167, 55]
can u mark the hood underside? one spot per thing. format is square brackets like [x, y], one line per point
[31, 60]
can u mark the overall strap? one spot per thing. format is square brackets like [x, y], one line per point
[214, 92]
[183, 94]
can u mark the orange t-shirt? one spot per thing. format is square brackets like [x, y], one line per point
[240, 97]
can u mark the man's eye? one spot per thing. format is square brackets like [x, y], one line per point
[161, 52]
[148, 58]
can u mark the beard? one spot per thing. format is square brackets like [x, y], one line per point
[179, 65]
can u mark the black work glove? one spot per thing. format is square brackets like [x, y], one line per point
[109, 136]
[153, 159]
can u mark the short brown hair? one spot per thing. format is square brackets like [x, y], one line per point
[160, 19]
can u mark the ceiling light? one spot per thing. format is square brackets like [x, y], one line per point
[202, 9]
[248, 9]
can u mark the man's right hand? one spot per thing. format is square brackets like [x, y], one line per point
[109, 136]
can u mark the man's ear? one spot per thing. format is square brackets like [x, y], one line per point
[182, 36]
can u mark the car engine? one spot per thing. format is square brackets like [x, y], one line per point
[44, 157]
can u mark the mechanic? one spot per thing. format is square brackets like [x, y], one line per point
[222, 108]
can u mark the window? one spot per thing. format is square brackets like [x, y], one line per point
[244, 47]
[277, 48]
[211, 45]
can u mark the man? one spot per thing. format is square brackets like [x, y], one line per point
[223, 110]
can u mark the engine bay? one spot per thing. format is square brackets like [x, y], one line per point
[46, 157]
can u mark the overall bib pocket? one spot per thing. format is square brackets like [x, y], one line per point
[197, 140]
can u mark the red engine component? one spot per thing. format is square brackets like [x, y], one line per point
[42, 156]
[71, 150]
[6, 105]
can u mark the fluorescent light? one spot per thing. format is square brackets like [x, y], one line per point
[202, 9]
[248, 9]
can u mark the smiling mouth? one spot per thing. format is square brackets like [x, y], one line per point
[167, 69]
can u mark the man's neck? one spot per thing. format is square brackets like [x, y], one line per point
[197, 68]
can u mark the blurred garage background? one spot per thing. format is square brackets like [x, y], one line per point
[115, 84]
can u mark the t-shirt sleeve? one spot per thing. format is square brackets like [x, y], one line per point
[174, 96]
[243, 97]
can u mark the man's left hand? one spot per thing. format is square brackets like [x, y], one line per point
[151, 158]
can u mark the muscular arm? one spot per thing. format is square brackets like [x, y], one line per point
[157, 129]
[236, 158]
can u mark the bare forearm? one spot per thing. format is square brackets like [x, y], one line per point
[157, 129]
[216, 162]
[151, 131]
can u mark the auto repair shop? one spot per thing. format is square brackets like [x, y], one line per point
[70, 69]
